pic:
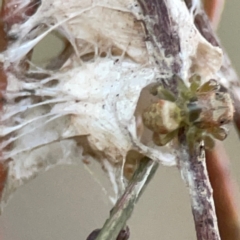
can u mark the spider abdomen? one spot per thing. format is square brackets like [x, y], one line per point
[162, 117]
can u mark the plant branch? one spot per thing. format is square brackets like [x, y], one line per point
[214, 9]
[125, 205]
[225, 193]
[217, 160]
[192, 165]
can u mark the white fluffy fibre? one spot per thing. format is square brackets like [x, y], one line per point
[94, 99]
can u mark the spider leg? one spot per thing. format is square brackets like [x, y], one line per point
[208, 141]
[161, 140]
[219, 133]
[193, 135]
[195, 81]
[163, 93]
[184, 91]
[209, 86]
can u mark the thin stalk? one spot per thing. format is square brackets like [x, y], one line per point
[226, 194]
[192, 165]
[125, 205]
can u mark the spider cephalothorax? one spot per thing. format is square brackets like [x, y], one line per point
[200, 109]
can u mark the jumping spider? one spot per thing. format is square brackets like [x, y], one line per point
[200, 109]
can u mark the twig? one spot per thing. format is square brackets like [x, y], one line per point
[214, 9]
[217, 161]
[224, 194]
[125, 205]
[123, 235]
[192, 165]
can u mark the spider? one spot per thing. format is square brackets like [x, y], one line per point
[200, 109]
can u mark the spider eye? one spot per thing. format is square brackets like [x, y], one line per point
[223, 121]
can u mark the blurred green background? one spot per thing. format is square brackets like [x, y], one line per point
[67, 203]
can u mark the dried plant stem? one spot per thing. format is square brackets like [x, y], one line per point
[3, 85]
[194, 172]
[217, 161]
[125, 205]
[226, 195]
[10, 14]
[214, 9]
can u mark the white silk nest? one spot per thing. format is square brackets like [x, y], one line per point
[87, 109]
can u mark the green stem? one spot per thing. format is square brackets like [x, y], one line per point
[124, 207]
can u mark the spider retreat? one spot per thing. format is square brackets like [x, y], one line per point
[202, 110]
